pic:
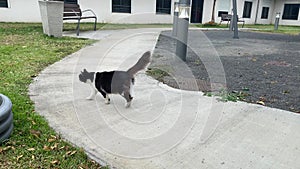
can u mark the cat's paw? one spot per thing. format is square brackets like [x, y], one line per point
[127, 105]
[107, 100]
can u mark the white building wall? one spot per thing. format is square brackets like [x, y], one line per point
[144, 11]
[266, 3]
[21, 11]
[279, 7]
[207, 10]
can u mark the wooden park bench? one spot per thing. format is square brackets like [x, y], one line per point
[73, 12]
[227, 18]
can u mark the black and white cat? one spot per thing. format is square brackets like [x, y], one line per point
[114, 82]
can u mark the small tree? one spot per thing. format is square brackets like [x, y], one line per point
[212, 20]
[213, 12]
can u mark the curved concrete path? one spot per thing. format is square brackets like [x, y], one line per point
[165, 127]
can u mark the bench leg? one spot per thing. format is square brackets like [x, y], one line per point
[78, 27]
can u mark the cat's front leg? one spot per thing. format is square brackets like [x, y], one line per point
[93, 93]
[105, 95]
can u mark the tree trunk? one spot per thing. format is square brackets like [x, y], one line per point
[213, 12]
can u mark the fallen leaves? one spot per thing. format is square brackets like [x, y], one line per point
[55, 162]
[261, 101]
[31, 149]
[19, 157]
[70, 153]
[36, 133]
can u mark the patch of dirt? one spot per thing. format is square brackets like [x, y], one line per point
[267, 65]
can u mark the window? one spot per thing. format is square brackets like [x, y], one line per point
[71, 1]
[3, 4]
[265, 13]
[222, 12]
[291, 11]
[247, 9]
[163, 6]
[122, 6]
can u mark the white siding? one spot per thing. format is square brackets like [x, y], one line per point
[21, 11]
[144, 11]
[279, 8]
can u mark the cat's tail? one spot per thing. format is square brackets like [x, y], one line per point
[140, 64]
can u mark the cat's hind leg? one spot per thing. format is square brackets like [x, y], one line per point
[107, 99]
[128, 98]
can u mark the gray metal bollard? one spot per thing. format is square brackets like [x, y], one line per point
[182, 29]
[175, 19]
[277, 17]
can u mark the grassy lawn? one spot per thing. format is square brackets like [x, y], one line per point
[24, 52]
[285, 29]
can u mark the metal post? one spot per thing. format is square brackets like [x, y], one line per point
[234, 20]
[276, 21]
[182, 29]
[175, 19]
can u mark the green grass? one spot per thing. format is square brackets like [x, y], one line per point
[24, 52]
[157, 73]
[104, 26]
[283, 29]
[292, 30]
[226, 96]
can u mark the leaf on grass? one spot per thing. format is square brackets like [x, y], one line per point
[55, 162]
[54, 137]
[36, 133]
[7, 148]
[33, 122]
[19, 157]
[33, 157]
[46, 148]
[63, 147]
[50, 140]
[54, 147]
[70, 153]
[31, 149]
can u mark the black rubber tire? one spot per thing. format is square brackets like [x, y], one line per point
[4, 136]
[5, 107]
[6, 118]
[5, 124]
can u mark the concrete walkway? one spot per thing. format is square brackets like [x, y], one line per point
[165, 127]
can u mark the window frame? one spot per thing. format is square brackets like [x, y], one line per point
[72, 1]
[247, 9]
[121, 7]
[288, 15]
[3, 2]
[265, 12]
[165, 7]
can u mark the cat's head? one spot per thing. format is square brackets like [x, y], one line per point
[86, 76]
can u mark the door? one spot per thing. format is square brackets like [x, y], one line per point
[197, 11]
